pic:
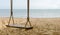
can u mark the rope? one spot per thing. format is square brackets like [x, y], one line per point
[28, 20]
[11, 14]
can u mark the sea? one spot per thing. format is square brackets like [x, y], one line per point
[33, 13]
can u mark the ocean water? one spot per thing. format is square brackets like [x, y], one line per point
[34, 13]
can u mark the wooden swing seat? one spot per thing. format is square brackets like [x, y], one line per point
[19, 26]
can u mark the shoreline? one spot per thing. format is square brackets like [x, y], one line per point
[29, 17]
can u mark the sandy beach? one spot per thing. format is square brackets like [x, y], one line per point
[41, 26]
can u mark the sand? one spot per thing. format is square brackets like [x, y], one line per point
[41, 26]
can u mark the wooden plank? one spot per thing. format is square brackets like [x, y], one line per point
[19, 26]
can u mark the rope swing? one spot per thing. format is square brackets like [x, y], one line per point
[19, 26]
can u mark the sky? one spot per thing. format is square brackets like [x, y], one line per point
[34, 4]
